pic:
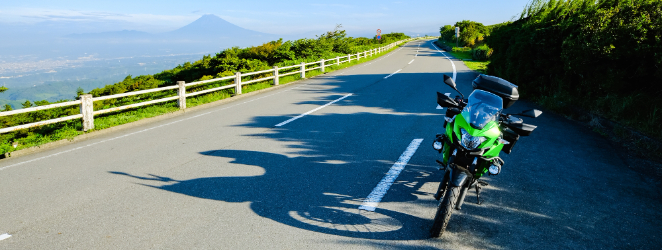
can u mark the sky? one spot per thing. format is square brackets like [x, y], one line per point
[285, 17]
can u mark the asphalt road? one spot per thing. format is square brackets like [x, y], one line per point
[227, 177]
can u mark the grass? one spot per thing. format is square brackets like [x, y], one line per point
[70, 129]
[465, 54]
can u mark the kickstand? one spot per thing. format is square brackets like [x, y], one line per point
[478, 188]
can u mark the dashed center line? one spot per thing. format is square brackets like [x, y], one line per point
[371, 203]
[318, 108]
[144, 130]
[412, 60]
[392, 74]
[4, 236]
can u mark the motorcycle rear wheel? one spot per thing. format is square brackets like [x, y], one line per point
[444, 211]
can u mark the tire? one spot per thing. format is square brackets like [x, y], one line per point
[444, 211]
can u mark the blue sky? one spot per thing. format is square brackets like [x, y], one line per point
[275, 17]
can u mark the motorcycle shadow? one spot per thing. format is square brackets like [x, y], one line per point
[305, 193]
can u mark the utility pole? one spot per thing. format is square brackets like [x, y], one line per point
[457, 36]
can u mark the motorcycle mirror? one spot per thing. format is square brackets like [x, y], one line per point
[533, 113]
[449, 81]
[445, 101]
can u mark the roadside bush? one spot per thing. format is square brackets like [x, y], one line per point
[604, 56]
[482, 53]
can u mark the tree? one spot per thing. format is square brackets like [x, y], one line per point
[472, 33]
[3, 89]
[79, 92]
[447, 33]
[26, 104]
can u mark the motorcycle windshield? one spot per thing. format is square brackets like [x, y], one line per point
[482, 108]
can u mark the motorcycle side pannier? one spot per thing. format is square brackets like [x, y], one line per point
[504, 89]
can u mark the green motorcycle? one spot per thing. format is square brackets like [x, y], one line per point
[476, 132]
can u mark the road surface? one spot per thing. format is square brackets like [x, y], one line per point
[248, 175]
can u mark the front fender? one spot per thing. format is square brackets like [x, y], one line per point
[458, 177]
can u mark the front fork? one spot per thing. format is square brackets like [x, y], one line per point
[456, 177]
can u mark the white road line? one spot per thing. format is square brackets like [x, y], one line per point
[454, 71]
[412, 60]
[318, 108]
[89, 145]
[371, 203]
[4, 236]
[392, 74]
[144, 130]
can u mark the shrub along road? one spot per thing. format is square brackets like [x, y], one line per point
[228, 177]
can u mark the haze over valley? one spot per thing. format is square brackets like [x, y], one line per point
[50, 61]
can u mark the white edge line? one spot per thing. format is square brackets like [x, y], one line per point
[318, 108]
[4, 236]
[371, 203]
[144, 130]
[454, 71]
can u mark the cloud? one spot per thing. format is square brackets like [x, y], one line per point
[151, 22]
[68, 15]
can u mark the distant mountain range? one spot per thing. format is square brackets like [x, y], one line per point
[207, 35]
[206, 29]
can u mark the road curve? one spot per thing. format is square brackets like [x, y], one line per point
[247, 175]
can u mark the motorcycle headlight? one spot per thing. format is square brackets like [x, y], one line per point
[470, 142]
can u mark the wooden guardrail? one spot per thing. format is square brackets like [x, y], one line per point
[87, 112]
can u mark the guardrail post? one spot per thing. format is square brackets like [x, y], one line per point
[237, 82]
[358, 55]
[276, 75]
[303, 70]
[181, 92]
[87, 109]
[322, 65]
[337, 60]
[349, 58]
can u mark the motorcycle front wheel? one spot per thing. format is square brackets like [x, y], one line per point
[444, 211]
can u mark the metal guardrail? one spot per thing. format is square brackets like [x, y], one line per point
[86, 101]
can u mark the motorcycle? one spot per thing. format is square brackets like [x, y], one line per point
[476, 132]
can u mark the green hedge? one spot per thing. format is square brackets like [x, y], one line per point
[603, 56]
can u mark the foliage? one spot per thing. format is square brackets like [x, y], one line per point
[471, 33]
[604, 56]
[447, 33]
[482, 53]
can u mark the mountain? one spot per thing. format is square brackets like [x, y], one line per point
[207, 34]
[214, 26]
